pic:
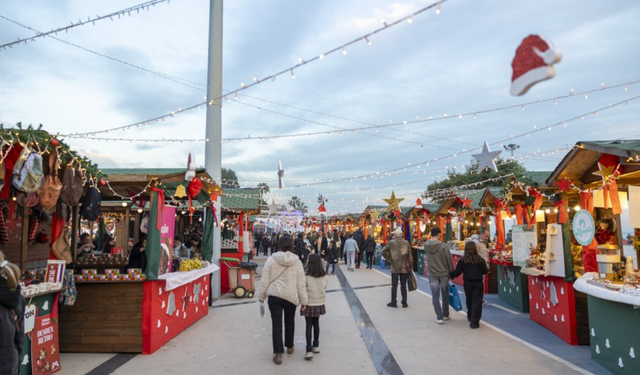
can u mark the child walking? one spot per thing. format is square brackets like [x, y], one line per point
[316, 281]
[473, 267]
[331, 257]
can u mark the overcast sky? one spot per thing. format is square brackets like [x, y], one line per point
[458, 61]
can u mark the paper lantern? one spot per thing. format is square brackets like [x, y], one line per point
[634, 206]
[540, 216]
[624, 203]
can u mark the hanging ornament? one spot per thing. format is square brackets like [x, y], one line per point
[564, 184]
[102, 182]
[466, 202]
[487, 159]
[55, 142]
[419, 203]
[533, 63]
[180, 192]
[393, 202]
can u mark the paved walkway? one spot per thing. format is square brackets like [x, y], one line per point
[359, 335]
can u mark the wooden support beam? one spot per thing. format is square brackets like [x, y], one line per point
[75, 224]
[24, 240]
[136, 228]
[127, 218]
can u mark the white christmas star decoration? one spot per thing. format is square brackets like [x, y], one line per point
[273, 208]
[487, 159]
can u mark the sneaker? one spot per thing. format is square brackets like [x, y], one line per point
[447, 317]
[308, 356]
[439, 321]
[391, 304]
[289, 350]
[316, 349]
[485, 303]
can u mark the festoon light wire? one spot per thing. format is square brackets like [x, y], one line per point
[135, 8]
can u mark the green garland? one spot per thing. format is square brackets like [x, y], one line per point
[41, 142]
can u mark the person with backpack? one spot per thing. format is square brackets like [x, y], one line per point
[12, 306]
[370, 249]
[283, 281]
[473, 268]
[316, 285]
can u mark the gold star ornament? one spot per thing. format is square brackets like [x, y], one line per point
[605, 172]
[393, 202]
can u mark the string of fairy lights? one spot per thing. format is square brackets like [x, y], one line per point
[90, 20]
[341, 49]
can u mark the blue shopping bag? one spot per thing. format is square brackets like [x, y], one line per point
[454, 298]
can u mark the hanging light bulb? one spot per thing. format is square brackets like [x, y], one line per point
[139, 210]
[124, 204]
[293, 75]
[438, 8]
[577, 207]
[367, 40]
[344, 51]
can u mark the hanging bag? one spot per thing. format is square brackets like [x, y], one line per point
[52, 185]
[90, 209]
[27, 173]
[72, 185]
[454, 298]
[61, 248]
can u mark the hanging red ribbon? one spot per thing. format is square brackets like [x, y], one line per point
[160, 204]
[616, 207]
[519, 214]
[536, 206]
[418, 230]
[562, 213]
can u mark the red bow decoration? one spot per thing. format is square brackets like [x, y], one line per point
[215, 216]
[533, 192]
[137, 201]
[160, 203]
[194, 188]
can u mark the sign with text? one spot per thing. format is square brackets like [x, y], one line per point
[30, 318]
[44, 346]
[524, 240]
[584, 228]
[55, 271]
[167, 229]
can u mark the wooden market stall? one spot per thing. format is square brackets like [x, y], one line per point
[420, 224]
[237, 237]
[603, 178]
[142, 309]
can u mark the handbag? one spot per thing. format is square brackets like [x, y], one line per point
[61, 247]
[52, 186]
[412, 282]
[454, 298]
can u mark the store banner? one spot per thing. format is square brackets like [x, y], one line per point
[159, 239]
[44, 346]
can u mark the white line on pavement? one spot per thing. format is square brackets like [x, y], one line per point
[505, 309]
[521, 341]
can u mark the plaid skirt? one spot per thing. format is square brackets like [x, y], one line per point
[313, 311]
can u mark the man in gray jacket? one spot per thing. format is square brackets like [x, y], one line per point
[439, 265]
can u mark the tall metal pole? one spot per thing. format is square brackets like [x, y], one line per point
[213, 148]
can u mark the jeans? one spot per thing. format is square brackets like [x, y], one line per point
[440, 285]
[333, 267]
[313, 323]
[394, 287]
[351, 259]
[474, 290]
[370, 259]
[277, 306]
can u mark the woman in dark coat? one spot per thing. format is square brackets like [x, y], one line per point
[137, 258]
[370, 249]
[12, 306]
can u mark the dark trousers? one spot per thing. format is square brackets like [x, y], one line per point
[358, 258]
[313, 324]
[474, 291]
[403, 287]
[370, 259]
[278, 306]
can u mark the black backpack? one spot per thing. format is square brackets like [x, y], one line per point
[90, 209]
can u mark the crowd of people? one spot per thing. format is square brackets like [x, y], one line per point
[294, 275]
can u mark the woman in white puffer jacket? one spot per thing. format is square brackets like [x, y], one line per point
[283, 281]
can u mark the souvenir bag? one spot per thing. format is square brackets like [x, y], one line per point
[61, 247]
[52, 185]
[90, 209]
[27, 173]
[72, 186]
[412, 282]
[454, 298]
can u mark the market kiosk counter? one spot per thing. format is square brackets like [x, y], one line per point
[614, 320]
[134, 316]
